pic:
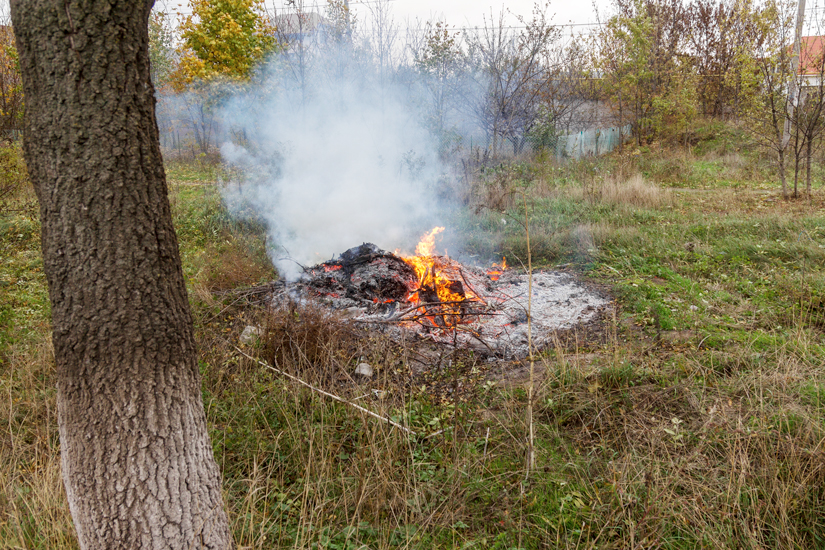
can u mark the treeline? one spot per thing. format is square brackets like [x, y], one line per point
[650, 68]
[663, 63]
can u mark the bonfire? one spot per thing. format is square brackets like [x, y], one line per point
[436, 297]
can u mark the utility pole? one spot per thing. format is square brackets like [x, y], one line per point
[349, 19]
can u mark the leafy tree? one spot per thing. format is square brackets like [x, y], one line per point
[638, 55]
[161, 48]
[766, 73]
[223, 38]
[677, 106]
[719, 31]
[11, 86]
[136, 458]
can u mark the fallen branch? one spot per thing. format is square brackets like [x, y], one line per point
[420, 305]
[473, 290]
[327, 394]
[475, 335]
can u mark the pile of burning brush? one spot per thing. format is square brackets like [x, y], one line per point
[439, 299]
[434, 291]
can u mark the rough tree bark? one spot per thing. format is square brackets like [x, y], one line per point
[137, 462]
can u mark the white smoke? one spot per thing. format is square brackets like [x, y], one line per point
[329, 162]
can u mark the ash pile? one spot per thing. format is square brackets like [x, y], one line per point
[438, 299]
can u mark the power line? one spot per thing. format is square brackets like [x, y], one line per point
[516, 27]
[285, 7]
[476, 28]
[352, 2]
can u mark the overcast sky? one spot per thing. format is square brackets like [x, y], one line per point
[461, 13]
[471, 12]
[457, 13]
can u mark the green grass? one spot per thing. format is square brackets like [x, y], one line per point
[201, 171]
[692, 418]
[24, 304]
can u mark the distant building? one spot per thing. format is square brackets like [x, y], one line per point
[811, 61]
[295, 26]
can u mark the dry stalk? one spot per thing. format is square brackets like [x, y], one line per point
[327, 394]
[531, 453]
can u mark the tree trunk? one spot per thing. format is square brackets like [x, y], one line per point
[796, 160]
[137, 462]
[809, 146]
[782, 176]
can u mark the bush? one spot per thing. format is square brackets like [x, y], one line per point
[13, 173]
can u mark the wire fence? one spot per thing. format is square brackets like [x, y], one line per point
[591, 143]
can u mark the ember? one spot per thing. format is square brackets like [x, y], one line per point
[362, 275]
[496, 270]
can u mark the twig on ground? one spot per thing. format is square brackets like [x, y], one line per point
[531, 450]
[486, 439]
[327, 394]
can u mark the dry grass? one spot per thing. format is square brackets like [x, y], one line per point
[643, 441]
[34, 512]
[741, 466]
[341, 476]
[232, 265]
[633, 191]
[310, 339]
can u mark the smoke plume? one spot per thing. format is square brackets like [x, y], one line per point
[330, 157]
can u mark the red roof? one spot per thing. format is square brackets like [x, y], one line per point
[810, 55]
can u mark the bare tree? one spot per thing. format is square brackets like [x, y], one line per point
[439, 66]
[297, 34]
[566, 100]
[382, 35]
[808, 117]
[767, 71]
[509, 72]
[136, 458]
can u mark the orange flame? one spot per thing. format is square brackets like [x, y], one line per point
[426, 246]
[439, 280]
